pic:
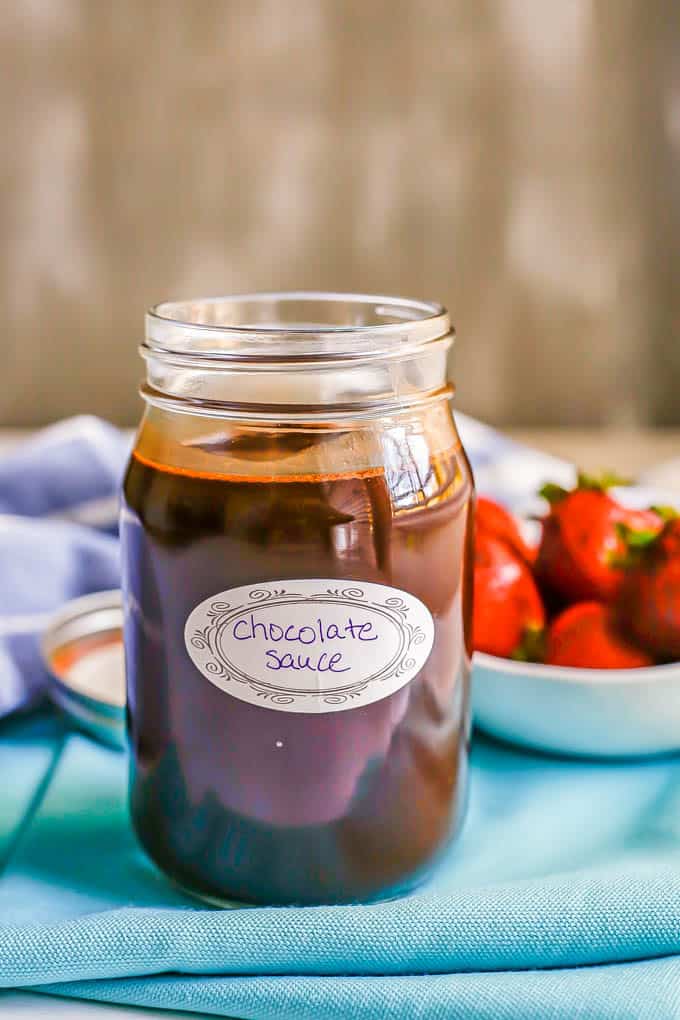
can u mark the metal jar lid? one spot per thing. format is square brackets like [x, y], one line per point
[82, 648]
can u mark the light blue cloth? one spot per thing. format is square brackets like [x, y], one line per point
[561, 899]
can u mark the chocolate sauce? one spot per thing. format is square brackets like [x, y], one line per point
[240, 801]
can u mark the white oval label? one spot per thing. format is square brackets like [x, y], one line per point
[310, 646]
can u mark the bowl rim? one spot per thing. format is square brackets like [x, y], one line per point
[576, 674]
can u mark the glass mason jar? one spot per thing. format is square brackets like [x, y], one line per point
[296, 531]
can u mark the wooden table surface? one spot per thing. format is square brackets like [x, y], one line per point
[628, 451]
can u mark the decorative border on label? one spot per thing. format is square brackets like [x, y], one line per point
[221, 615]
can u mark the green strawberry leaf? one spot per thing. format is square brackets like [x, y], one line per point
[602, 482]
[635, 542]
[635, 539]
[666, 513]
[553, 493]
[595, 483]
[532, 646]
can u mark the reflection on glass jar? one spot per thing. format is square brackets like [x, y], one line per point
[297, 742]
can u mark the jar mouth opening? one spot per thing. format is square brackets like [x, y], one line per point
[294, 325]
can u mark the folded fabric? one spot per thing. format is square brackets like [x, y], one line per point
[561, 899]
[70, 470]
[54, 490]
[564, 870]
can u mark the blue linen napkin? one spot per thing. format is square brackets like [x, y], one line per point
[561, 899]
[54, 489]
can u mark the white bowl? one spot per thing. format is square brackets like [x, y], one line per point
[600, 713]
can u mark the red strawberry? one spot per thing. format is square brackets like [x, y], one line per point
[650, 599]
[508, 612]
[583, 548]
[494, 518]
[586, 636]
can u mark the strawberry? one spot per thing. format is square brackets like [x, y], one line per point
[650, 598]
[585, 635]
[508, 615]
[494, 518]
[584, 547]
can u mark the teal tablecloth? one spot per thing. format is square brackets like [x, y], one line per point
[562, 899]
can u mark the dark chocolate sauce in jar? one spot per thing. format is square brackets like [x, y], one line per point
[240, 801]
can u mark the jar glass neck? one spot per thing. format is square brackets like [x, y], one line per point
[303, 353]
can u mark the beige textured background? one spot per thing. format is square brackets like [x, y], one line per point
[517, 159]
